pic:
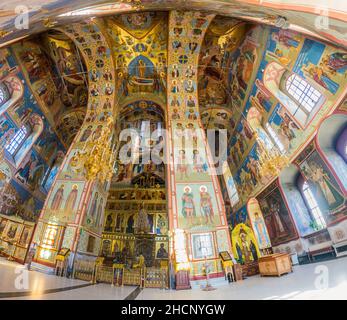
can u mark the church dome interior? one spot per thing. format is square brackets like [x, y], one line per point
[157, 143]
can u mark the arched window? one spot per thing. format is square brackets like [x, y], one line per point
[297, 95]
[275, 137]
[11, 91]
[4, 94]
[341, 144]
[303, 93]
[231, 186]
[332, 141]
[234, 196]
[145, 127]
[17, 141]
[24, 139]
[313, 206]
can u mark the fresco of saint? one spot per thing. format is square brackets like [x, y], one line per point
[182, 167]
[188, 206]
[58, 198]
[279, 227]
[206, 206]
[320, 178]
[71, 199]
[260, 228]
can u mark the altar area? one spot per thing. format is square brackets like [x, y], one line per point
[135, 242]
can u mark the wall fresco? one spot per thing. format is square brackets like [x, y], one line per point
[325, 188]
[278, 220]
[322, 65]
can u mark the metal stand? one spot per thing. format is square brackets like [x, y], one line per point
[208, 286]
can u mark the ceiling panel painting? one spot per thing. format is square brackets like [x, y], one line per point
[139, 48]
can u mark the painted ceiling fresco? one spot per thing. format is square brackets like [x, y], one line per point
[139, 49]
[220, 93]
[56, 72]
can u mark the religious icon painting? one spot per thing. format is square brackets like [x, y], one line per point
[197, 206]
[225, 255]
[245, 246]
[161, 250]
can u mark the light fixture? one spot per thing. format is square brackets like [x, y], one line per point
[272, 161]
[97, 156]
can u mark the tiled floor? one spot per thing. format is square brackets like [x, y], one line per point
[95, 292]
[15, 279]
[326, 280]
[19, 283]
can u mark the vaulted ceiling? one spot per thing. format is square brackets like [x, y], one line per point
[239, 44]
[313, 17]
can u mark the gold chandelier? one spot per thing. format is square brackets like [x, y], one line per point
[271, 161]
[97, 156]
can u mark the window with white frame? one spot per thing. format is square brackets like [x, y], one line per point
[4, 94]
[275, 137]
[145, 127]
[203, 246]
[313, 206]
[14, 145]
[233, 194]
[160, 128]
[305, 95]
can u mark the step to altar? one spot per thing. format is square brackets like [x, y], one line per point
[41, 268]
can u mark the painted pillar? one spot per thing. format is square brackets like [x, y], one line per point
[196, 207]
[72, 215]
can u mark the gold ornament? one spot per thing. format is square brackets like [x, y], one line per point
[48, 23]
[97, 156]
[271, 162]
[4, 33]
[136, 4]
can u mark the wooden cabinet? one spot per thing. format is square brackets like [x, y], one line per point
[237, 268]
[250, 269]
[182, 280]
[275, 264]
